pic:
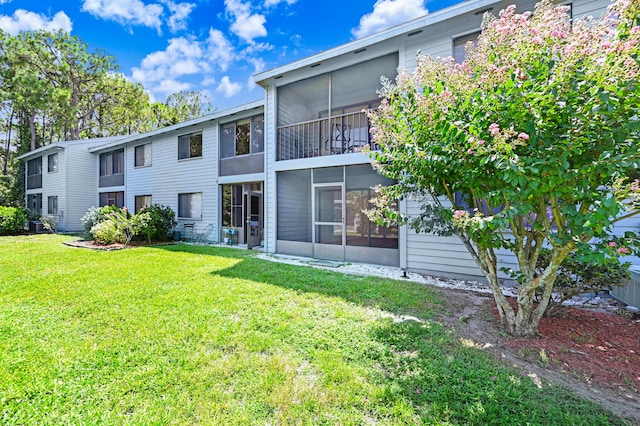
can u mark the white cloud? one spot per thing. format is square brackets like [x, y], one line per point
[387, 13]
[182, 57]
[184, 62]
[228, 88]
[245, 25]
[258, 66]
[169, 86]
[5, 1]
[126, 12]
[24, 20]
[269, 3]
[179, 12]
[220, 51]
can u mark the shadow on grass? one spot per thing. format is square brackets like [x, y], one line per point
[424, 376]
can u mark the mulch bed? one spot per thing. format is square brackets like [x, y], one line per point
[93, 245]
[596, 347]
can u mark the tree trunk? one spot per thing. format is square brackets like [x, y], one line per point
[8, 147]
[32, 130]
[528, 317]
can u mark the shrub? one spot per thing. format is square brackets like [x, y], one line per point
[161, 221]
[577, 276]
[117, 225]
[95, 215]
[50, 223]
[106, 232]
[90, 219]
[12, 220]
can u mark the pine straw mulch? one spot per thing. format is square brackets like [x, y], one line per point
[596, 347]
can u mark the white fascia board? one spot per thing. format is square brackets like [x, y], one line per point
[89, 143]
[398, 30]
[215, 116]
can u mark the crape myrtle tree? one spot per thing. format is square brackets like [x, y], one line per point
[528, 144]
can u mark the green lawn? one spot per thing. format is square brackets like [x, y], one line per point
[185, 334]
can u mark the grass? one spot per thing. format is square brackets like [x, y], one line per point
[184, 334]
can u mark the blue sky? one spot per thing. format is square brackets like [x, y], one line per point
[213, 46]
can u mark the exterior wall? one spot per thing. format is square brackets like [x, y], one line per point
[167, 176]
[447, 256]
[420, 252]
[81, 175]
[53, 184]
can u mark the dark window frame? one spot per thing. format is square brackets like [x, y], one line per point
[194, 148]
[111, 198]
[141, 201]
[181, 207]
[52, 200]
[112, 163]
[52, 163]
[253, 145]
[144, 147]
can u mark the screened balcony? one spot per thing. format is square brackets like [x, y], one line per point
[340, 134]
[324, 115]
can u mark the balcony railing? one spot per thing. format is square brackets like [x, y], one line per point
[340, 134]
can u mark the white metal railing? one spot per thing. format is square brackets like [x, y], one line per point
[340, 134]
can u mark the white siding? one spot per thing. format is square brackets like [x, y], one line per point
[167, 176]
[81, 174]
[270, 206]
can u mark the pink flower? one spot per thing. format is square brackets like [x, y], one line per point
[523, 136]
[480, 142]
[623, 250]
[458, 214]
[470, 151]
[612, 244]
[494, 129]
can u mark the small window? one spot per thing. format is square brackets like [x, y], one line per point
[112, 199]
[242, 137]
[112, 163]
[143, 155]
[190, 205]
[34, 173]
[190, 146]
[52, 163]
[34, 204]
[459, 43]
[142, 201]
[52, 205]
[257, 134]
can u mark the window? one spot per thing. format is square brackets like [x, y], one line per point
[142, 155]
[190, 146]
[142, 201]
[112, 163]
[459, 43]
[52, 205]
[190, 205]
[232, 206]
[34, 173]
[242, 137]
[112, 199]
[34, 204]
[52, 163]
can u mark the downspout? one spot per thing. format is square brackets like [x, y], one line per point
[66, 189]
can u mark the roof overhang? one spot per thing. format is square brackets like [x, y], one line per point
[215, 116]
[363, 43]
